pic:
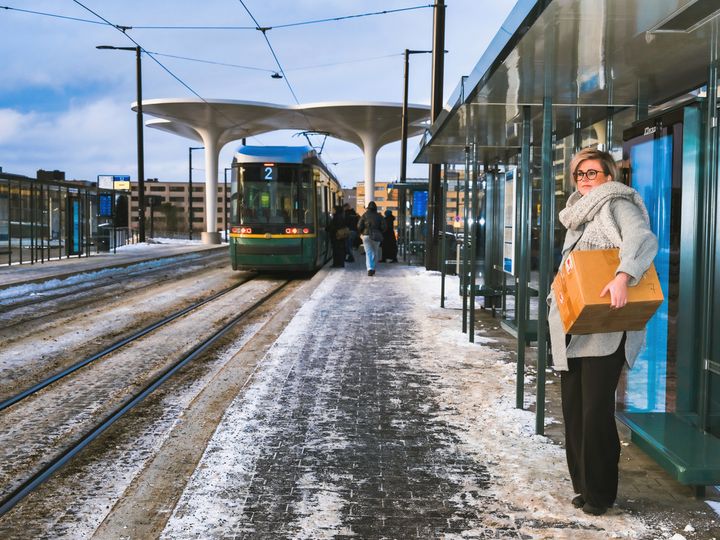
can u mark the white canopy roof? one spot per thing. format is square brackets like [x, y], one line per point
[365, 124]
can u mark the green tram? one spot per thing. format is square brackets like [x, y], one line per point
[281, 201]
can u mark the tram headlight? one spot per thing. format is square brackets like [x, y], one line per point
[306, 230]
[294, 230]
[245, 230]
[288, 230]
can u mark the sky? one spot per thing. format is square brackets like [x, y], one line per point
[66, 105]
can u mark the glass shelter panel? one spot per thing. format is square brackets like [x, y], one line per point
[655, 172]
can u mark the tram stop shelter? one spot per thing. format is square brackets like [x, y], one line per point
[215, 123]
[638, 78]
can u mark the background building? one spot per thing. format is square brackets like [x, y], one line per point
[386, 196]
[168, 205]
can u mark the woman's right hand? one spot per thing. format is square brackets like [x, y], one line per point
[618, 289]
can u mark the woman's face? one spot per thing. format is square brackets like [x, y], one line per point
[585, 169]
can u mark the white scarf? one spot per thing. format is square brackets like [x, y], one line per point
[592, 215]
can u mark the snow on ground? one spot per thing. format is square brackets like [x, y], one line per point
[529, 470]
[477, 396]
[141, 247]
[210, 499]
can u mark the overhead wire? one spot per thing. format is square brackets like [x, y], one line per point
[282, 71]
[167, 70]
[152, 55]
[213, 62]
[54, 15]
[333, 19]
[272, 51]
[288, 25]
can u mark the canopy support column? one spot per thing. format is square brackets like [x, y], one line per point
[370, 150]
[212, 151]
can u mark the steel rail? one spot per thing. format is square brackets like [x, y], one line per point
[115, 346]
[54, 293]
[19, 493]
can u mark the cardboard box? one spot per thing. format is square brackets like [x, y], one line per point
[577, 289]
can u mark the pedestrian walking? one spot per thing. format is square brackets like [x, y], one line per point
[389, 242]
[338, 231]
[601, 214]
[370, 228]
[351, 219]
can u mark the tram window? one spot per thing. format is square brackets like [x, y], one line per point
[283, 200]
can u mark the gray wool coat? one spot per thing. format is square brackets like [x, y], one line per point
[611, 215]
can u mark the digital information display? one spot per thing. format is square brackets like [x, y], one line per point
[105, 205]
[420, 202]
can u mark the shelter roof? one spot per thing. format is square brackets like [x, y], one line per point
[590, 57]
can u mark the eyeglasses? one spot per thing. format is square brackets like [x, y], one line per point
[590, 174]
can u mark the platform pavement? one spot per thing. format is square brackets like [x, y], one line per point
[371, 418]
[16, 274]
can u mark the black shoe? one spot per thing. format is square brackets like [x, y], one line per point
[394, 261]
[594, 510]
[578, 501]
[371, 272]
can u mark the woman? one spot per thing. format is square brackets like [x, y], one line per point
[389, 242]
[601, 214]
[337, 229]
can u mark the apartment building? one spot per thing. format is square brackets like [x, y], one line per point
[168, 203]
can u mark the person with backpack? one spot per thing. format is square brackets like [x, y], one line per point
[371, 227]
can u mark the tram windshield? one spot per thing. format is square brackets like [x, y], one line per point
[270, 193]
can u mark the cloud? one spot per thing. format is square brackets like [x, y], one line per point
[66, 105]
[11, 123]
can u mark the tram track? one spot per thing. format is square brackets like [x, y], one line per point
[16, 313]
[115, 346]
[59, 457]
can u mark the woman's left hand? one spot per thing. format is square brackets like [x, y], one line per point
[618, 289]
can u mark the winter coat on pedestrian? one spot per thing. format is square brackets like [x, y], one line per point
[389, 242]
[337, 223]
[372, 224]
[371, 227]
[612, 215]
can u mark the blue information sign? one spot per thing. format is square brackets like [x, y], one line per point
[420, 201]
[105, 205]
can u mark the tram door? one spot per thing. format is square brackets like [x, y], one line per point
[73, 242]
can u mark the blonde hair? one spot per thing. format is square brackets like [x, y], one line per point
[606, 160]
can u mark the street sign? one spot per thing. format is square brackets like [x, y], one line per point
[114, 181]
[105, 181]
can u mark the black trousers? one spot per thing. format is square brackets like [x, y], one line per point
[592, 444]
[338, 247]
